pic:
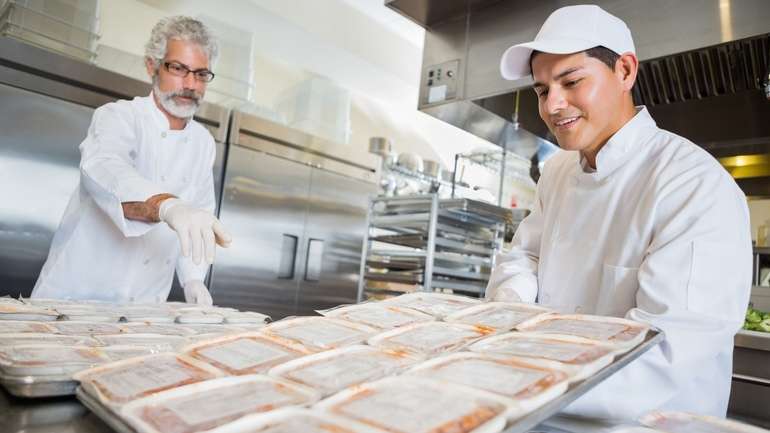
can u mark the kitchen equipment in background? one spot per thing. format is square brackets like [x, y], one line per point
[503, 177]
[431, 168]
[424, 243]
[298, 212]
[66, 27]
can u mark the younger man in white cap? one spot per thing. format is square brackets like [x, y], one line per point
[631, 221]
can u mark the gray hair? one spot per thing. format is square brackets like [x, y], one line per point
[180, 28]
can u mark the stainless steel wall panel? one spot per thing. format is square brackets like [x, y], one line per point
[38, 171]
[334, 236]
[265, 201]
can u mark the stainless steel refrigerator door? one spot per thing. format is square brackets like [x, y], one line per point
[39, 138]
[333, 239]
[264, 205]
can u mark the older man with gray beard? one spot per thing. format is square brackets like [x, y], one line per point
[146, 191]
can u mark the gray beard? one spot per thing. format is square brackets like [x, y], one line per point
[166, 100]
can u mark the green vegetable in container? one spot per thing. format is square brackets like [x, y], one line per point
[754, 316]
[764, 325]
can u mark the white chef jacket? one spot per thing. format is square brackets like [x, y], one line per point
[659, 233]
[130, 154]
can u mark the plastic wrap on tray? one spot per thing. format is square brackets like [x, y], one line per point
[320, 333]
[48, 339]
[245, 353]
[334, 370]
[429, 338]
[529, 383]
[117, 383]
[499, 316]
[203, 329]
[245, 317]
[436, 304]
[378, 315]
[155, 328]
[681, 422]
[579, 357]
[199, 315]
[40, 360]
[69, 327]
[622, 334]
[417, 405]
[206, 405]
[89, 313]
[10, 311]
[117, 353]
[149, 313]
[295, 420]
[24, 327]
[159, 343]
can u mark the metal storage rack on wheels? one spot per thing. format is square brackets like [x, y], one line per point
[424, 243]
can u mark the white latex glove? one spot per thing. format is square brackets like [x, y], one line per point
[505, 292]
[199, 231]
[195, 292]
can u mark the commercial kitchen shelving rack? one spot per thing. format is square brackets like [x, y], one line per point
[424, 243]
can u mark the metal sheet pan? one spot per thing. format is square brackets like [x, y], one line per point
[576, 390]
[522, 425]
[103, 412]
[39, 386]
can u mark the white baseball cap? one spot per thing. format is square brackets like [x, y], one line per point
[568, 30]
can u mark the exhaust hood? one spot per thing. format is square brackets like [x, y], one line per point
[703, 67]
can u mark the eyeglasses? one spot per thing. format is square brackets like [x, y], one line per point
[180, 70]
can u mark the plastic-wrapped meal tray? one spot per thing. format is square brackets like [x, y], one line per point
[498, 316]
[417, 405]
[206, 405]
[378, 315]
[438, 305]
[429, 338]
[13, 311]
[49, 339]
[680, 422]
[622, 334]
[296, 420]
[529, 383]
[245, 353]
[42, 360]
[334, 370]
[320, 333]
[155, 328]
[120, 382]
[24, 327]
[579, 357]
[71, 327]
[158, 343]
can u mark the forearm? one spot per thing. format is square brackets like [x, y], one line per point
[146, 211]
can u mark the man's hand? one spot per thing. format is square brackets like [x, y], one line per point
[195, 292]
[199, 231]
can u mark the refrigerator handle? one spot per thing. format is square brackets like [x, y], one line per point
[315, 251]
[288, 260]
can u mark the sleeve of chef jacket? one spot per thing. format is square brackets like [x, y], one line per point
[514, 276]
[186, 269]
[694, 285]
[107, 168]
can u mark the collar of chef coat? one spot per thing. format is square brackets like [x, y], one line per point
[620, 147]
[161, 121]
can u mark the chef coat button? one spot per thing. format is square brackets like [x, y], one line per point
[163, 178]
[146, 261]
[163, 134]
[168, 261]
[546, 298]
[577, 309]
